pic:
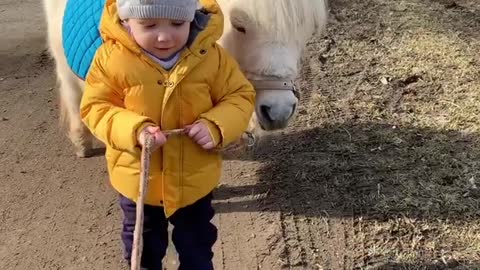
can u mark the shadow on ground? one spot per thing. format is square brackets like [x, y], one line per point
[373, 170]
[435, 266]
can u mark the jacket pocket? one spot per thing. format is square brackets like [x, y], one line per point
[196, 99]
[198, 160]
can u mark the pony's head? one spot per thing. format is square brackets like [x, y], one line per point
[267, 38]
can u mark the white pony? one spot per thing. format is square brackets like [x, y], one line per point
[266, 37]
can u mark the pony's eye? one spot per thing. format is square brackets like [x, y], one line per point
[240, 29]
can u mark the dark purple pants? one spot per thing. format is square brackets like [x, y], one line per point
[193, 234]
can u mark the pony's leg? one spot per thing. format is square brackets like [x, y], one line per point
[70, 95]
[70, 87]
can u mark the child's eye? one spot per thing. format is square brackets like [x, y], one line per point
[150, 25]
[178, 23]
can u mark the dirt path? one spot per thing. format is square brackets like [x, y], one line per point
[379, 170]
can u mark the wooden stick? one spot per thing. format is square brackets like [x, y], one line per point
[138, 232]
[173, 132]
[144, 175]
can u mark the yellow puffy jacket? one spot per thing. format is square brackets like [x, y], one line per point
[125, 90]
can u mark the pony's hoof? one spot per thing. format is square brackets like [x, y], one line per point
[84, 153]
[84, 150]
[83, 146]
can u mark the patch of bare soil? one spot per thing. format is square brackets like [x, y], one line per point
[388, 132]
[379, 170]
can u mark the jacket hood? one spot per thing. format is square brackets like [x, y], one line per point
[206, 28]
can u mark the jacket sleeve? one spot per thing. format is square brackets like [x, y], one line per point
[102, 108]
[234, 99]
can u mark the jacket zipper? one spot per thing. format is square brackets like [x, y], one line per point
[180, 180]
[164, 201]
[168, 84]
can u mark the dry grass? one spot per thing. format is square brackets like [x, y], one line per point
[392, 117]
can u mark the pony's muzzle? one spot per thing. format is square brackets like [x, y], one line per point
[276, 102]
[274, 116]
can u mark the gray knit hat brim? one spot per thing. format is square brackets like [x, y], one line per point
[183, 10]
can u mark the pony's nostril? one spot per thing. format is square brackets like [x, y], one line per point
[266, 112]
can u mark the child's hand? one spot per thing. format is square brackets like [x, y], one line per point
[159, 138]
[200, 134]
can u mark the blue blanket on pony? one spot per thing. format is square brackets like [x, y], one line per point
[81, 35]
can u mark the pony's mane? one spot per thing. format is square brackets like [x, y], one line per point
[287, 20]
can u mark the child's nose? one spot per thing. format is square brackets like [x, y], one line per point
[162, 37]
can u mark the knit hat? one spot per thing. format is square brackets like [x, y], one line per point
[183, 10]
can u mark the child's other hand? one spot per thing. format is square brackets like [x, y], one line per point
[159, 138]
[200, 134]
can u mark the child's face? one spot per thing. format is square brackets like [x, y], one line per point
[160, 37]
